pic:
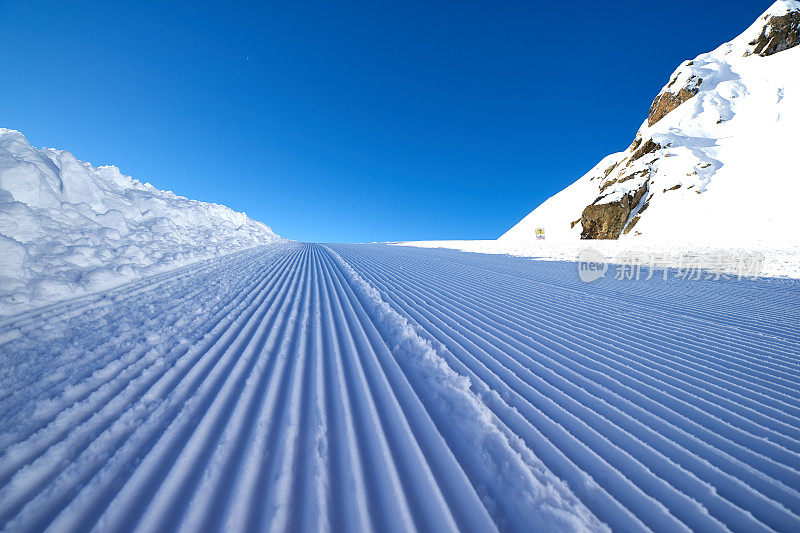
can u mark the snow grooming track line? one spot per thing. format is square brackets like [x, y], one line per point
[576, 335]
[606, 509]
[107, 349]
[413, 436]
[791, 500]
[511, 380]
[152, 393]
[542, 500]
[256, 389]
[362, 387]
[98, 304]
[137, 496]
[78, 382]
[486, 311]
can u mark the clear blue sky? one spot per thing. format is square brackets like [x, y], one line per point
[351, 121]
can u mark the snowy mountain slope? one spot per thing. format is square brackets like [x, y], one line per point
[714, 162]
[375, 388]
[67, 227]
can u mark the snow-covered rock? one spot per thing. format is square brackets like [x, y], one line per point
[67, 228]
[714, 161]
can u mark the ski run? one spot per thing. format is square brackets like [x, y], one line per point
[368, 387]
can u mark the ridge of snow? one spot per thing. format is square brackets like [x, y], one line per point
[68, 228]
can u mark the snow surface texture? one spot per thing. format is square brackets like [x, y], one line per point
[725, 175]
[395, 389]
[68, 228]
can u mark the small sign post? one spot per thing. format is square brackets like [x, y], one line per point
[539, 234]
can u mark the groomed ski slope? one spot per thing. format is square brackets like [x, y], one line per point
[355, 387]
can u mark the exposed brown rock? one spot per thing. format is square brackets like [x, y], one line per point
[603, 221]
[609, 169]
[607, 221]
[673, 188]
[632, 224]
[647, 148]
[669, 101]
[608, 184]
[634, 175]
[779, 34]
[623, 179]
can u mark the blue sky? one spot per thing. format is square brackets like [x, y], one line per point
[351, 121]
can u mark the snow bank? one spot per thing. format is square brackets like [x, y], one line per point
[68, 228]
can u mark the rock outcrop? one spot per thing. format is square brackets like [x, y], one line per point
[643, 149]
[608, 220]
[668, 101]
[780, 33]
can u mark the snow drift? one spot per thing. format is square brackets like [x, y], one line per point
[68, 228]
[714, 162]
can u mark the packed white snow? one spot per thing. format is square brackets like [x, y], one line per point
[67, 228]
[298, 387]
